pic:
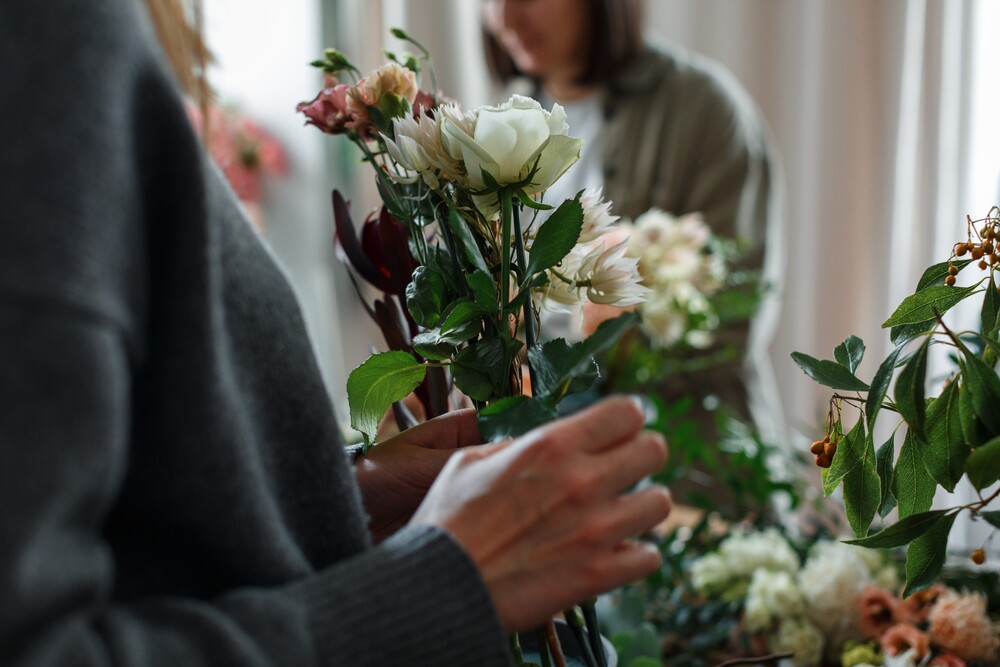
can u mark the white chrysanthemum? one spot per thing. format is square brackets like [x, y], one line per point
[597, 217]
[766, 549]
[830, 581]
[801, 638]
[418, 149]
[613, 278]
[772, 596]
[710, 574]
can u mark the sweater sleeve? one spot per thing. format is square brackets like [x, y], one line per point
[81, 114]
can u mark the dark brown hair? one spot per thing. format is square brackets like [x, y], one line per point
[615, 38]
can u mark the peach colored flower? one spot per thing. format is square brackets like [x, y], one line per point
[878, 611]
[903, 637]
[947, 660]
[959, 624]
[914, 608]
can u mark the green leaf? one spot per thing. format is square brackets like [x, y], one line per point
[883, 465]
[972, 430]
[828, 373]
[429, 345]
[993, 518]
[910, 390]
[556, 237]
[607, 333]
[862, 490]
[850, 353]
[936, 274]
[480, 370]
[461, 230]
[512, 417]
[378, 383]
[560, 370]
[425, 296]
[907, 332]
[902, 532]
[927, 304]
[984, 387]
[850, 452]
[912, 485]
[531, 203]
[946, 450]
[880, 386]
[484, 290]
[991, 309]
[983, 465]
[462, 312]
[926, 555]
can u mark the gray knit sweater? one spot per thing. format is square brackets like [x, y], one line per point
[172, 487]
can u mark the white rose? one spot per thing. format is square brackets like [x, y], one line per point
[508, 140]
[709, 574]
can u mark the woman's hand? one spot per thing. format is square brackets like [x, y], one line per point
[395, 474]
[543, 516]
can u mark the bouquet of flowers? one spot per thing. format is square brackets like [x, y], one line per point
[827, 603]
[949, 437]
[464, 252]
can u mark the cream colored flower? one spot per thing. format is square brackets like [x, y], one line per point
[710, 574]
[613, 278]
[511, 142]
[391, 78]
[830, 581]
[418, 149]
[597, 218]
[801, 638]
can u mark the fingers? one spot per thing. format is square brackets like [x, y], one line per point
[633, 514]
[449, 431]
[623, 466]
[604, 425]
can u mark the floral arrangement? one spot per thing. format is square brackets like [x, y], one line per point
[244, 151]
[821, 603]
[465, 253]
[949, 437]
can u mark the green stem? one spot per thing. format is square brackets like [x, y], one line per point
[529, 316]
[594, 631]
[506, 215]
[543, 647]
[515, 649]
[576, 627]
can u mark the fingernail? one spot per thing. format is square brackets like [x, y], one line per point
[648, 408]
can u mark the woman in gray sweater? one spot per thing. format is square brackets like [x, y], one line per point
[172, 485]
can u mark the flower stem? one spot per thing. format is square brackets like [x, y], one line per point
[543, 647]
[594, 631]
[576, 627]
[515, 649]
[506, 214]
[529, 316]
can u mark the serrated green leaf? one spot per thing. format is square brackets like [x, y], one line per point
[376, 384]
[426, 296]
[926, 555]
[927, 304]
[556, 237]
[484, 290]
[460, 228]
[862, 490]
[828, 373]
[972, 430]
[512, 417]
[883, 465]
[936, 274]
[912, 485]
[910, 390]
[984, 387]
[850, 454]
[880, 386]
[907, 332]
[480, 369]
[558, 371]
[850, 353]
[429, 346]
[946, 450]
[461, 312]
[993, 518]
[983, 465]
[991, 309]
[902, 532]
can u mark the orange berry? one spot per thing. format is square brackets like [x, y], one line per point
[983, 264]
[977, 252]
[961, 249]
[816, 448]
[824, 461]
[988, 248]
[978, 557]
[950, 281]
[830, 449]
[952, 270]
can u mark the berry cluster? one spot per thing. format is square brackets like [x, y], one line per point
[983, 246]
[824, 450]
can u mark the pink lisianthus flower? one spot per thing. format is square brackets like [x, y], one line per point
[329, 111]
[878, 611]
[903, 637]
[959, 624]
